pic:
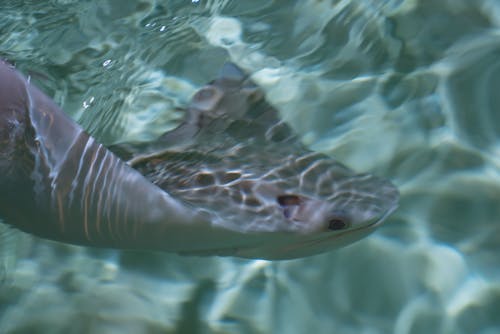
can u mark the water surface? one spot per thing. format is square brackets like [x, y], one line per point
[403, 89]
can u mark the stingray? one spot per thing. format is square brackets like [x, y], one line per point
[233, 179]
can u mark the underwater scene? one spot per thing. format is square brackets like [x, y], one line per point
[402, 89]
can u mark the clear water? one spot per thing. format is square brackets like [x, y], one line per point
[404, 89]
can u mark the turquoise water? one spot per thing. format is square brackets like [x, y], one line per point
[402, 89]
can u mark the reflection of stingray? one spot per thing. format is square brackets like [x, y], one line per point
[235, 179]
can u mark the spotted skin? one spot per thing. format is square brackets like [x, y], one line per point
[232, 179]
[235, 158]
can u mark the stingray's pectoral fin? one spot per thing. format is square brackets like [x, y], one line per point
[231, 71]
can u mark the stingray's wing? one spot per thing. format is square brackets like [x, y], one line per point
[232, 104]
[228, 110]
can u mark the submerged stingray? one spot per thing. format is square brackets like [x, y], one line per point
[232, 179]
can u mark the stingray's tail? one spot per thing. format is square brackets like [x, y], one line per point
[57, 182]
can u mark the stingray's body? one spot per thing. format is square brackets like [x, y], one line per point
[232, 179]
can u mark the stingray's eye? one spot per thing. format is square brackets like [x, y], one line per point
[337, 224]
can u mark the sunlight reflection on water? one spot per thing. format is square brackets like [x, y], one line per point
[403, 89]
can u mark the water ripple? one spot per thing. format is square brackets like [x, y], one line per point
[402, 88]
